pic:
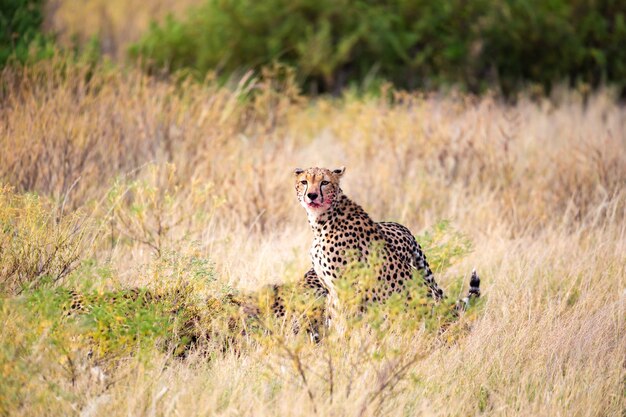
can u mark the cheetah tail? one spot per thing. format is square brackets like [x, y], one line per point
[474, 292]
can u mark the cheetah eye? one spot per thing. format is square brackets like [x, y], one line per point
[303, 182]
[325, 183]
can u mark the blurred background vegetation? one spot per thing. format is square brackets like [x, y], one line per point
[502, 45]
[21, 32]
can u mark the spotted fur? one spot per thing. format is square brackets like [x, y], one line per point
[343, 232]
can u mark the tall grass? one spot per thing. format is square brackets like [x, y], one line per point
[185, 182]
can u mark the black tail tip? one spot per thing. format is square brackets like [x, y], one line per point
[474, 289]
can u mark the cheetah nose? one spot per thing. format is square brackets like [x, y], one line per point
[312, 196]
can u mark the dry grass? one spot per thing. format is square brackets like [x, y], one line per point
[185, 168]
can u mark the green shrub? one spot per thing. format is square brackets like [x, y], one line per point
[548, 41]
[46, 350]
[421, 43]
[21, 37]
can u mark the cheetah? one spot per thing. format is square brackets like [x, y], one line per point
[343, 232]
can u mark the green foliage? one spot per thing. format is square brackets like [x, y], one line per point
[119, 323]
[43, 336]
[21, 37]
[444, 245]
[421, 43]
[547, 41]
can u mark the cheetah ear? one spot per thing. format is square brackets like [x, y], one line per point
[298, 171]
[339, 171]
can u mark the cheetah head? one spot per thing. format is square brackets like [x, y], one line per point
[317, 188]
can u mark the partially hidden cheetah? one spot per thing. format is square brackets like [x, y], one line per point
[343, 233]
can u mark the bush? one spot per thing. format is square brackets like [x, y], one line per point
[413, 44]
[66, 350]
[21, 37]
[544, 42]
[37, 244]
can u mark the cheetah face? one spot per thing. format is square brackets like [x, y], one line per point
[317, 188]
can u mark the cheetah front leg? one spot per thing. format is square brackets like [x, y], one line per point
[313, 286]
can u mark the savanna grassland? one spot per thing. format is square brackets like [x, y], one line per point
[113, 180]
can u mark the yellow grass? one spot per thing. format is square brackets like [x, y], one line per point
[180, 167]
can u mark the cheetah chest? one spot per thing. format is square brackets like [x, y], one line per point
[323, 264]
[331, 256]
